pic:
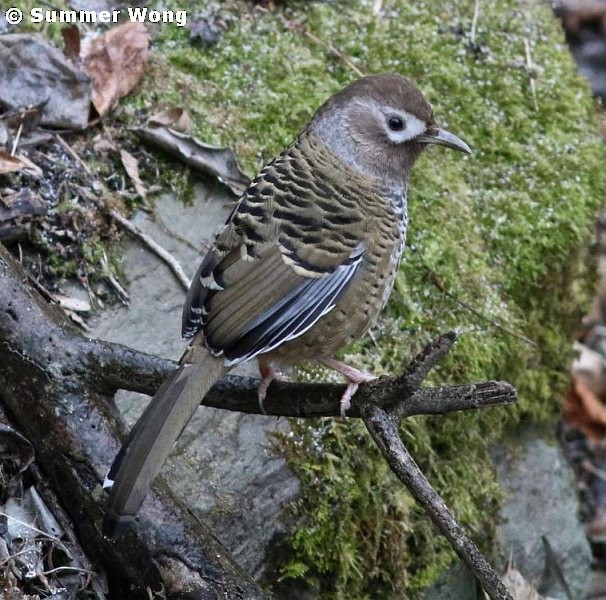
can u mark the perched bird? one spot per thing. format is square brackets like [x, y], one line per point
[302, 267]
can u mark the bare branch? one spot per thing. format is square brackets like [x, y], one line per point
[384, 431]
[119, 367]
[164, 254]
[418, 368]
[48, 364]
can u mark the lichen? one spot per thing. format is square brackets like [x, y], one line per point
[497, 245]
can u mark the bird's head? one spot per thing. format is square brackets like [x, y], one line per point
[380, 124]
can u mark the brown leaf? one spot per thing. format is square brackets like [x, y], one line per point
[584, 410]
[519, 588]
[71, 42]
[131, 165]
[14, 164]
[115, 61]
[8, 163]
[204, 158]
[175, 117]
[104, 145]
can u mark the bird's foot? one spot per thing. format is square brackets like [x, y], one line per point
[268, 374]
[354, 378]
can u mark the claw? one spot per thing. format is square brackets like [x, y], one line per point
[268, 374]
[354, 378]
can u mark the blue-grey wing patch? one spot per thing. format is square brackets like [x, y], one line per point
[294, 314]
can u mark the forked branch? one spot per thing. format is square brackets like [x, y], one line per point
[57, 387]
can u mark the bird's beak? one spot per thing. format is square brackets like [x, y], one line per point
[437, 135]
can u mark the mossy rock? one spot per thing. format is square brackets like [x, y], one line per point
[497, 245]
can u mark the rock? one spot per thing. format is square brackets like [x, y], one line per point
[222, 465]
[456, 584]
[540, 500]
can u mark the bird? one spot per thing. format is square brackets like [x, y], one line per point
[303, 266]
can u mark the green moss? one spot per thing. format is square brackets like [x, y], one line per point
[504, 233]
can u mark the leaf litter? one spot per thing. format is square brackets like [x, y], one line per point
[115, 61]
[39, 554]
[205, 159]
[54, 210]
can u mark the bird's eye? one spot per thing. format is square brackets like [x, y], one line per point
[396, 123]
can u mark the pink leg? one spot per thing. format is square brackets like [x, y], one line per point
[354, 378]
[268, 374]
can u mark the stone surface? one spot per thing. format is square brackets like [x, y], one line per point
[222, 465]
[539, 500]
[456, 584]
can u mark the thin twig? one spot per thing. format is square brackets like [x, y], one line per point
[166, 256]
[17, 138]
[13, 556]
[292, 26]
[589, 467]
[385, 433]
[67, 568]
[531, 73]
[474, 22]
[122, 293]
[482, 316]
[39, 531]
[73, 153]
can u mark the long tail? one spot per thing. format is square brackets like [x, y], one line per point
[151, 439]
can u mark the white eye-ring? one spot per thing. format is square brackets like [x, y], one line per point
[403, 126]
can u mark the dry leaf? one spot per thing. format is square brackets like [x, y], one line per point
[35, 73]
[131, 165]
[72, 304]
[519, 588]
[104, 144]
[175, 117]
[115, 61]
[14, 164]
[9, 164]
[204, 158]
[584, 410]
[71, 42]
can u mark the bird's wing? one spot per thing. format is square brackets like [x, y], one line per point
[281, 263]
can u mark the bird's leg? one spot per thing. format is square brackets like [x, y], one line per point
[268, 374]
[354, 378]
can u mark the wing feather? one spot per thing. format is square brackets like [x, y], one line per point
[282, 261]
[290, 315]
